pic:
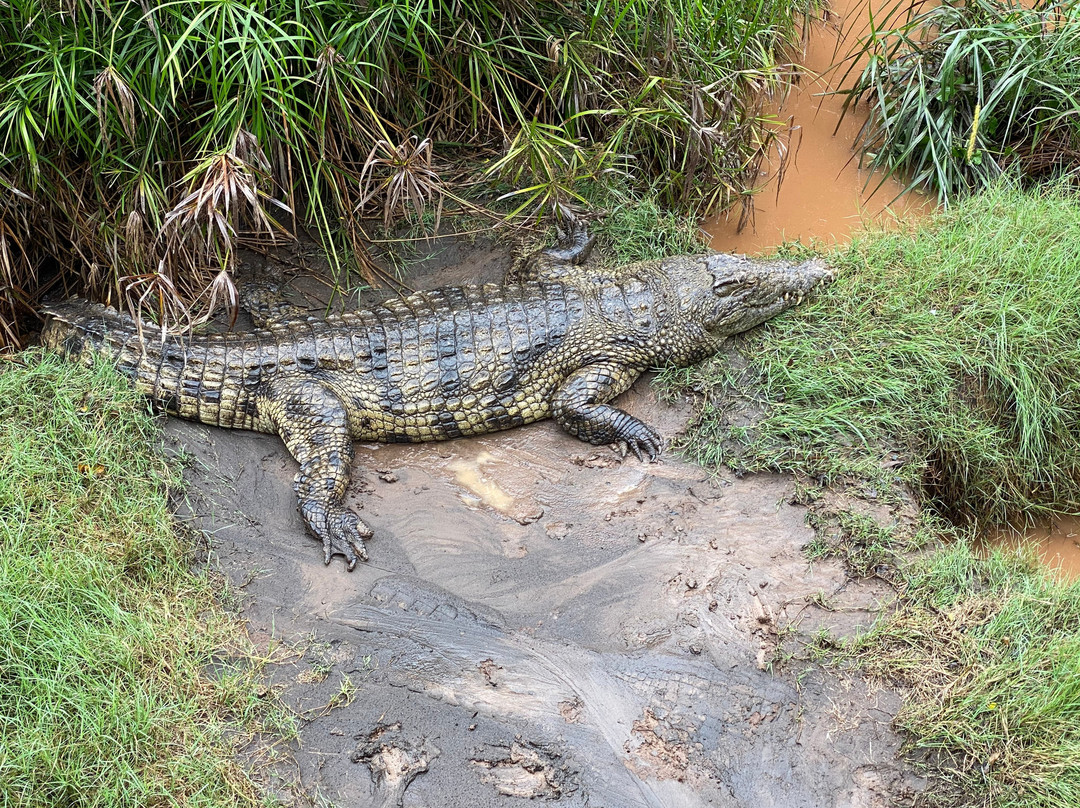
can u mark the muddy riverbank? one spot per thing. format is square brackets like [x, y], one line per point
[826, 196]
[542, 619]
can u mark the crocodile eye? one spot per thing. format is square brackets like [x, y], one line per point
[728, 285]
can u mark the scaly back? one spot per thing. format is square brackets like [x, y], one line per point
[434, 345]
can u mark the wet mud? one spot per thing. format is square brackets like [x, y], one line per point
[543, 620]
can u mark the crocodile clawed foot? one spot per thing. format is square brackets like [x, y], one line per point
[644, 443]
[345, 537]
[574, 246]
[342, 532]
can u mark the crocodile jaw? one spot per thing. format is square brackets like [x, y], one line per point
[747, 292]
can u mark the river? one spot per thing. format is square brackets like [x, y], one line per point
[826, 196]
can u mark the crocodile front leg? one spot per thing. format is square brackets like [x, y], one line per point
[314, 423]
[556, 263]
[579, 407]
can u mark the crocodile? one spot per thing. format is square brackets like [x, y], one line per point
[558, 339]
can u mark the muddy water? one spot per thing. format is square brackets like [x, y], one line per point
[1056, 544]
[825, 195]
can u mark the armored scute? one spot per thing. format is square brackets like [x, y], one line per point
[557, 340]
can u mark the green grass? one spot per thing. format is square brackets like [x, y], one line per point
[946, 358]
[636, 228]
[141, 144]
[987, 650]
[960, 93]
[104, 633]
[867, 549]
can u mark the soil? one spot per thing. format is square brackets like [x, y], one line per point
[544, 620]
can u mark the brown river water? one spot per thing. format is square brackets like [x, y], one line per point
[1057, 544]
[826, 196]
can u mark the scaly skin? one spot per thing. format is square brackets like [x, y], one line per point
[559, 341]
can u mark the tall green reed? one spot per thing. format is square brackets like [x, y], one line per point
[141, 144]
[959, 94]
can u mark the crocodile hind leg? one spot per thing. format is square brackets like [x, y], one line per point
[579, 407]
[267, 306]
[314, 423]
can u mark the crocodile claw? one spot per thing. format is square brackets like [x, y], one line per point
[574, 244]
[346, 537]
[342, 532]
[644, 443]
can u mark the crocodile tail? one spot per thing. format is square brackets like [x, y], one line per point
[84, 332]
[187, 377]
[88, 332]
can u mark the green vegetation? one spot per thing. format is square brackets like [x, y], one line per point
[960, 93]
[947, 358]
[987, 650]
[639, 229]
[142, 143]
[104, 634]
[867, 548]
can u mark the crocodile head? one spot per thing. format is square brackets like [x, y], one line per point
[728, 294]
[746, 292]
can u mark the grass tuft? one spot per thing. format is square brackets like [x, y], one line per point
[988, 652]
[639, 229]
[961, 93]
[105, 632]
[947, 358]
[867, 549]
